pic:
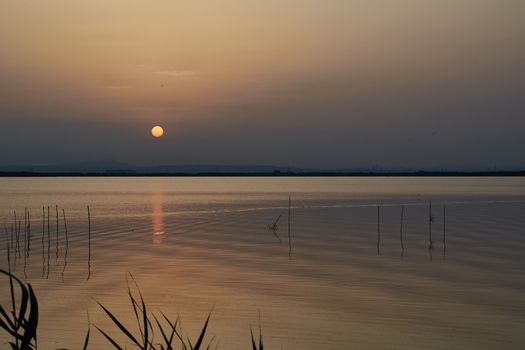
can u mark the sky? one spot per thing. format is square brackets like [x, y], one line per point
[348, 84]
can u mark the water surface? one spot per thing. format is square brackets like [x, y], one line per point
[194, 244]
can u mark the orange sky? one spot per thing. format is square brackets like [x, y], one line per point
[183, 63]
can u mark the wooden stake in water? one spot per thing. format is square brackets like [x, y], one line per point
[378, 229]
[401, 232]
[444, 232]
[89, 243]
[65, 226]
[48, 241]
[67, 244]
[43, 234]
[17, 235]
[28, 233]
[48, 231]
[25, 231]
[12, 237]
[25, 242]
[430, 220]
[14, 247]
[56, 209]
[7, 241]
[289, 218]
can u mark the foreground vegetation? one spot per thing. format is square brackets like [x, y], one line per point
[21, 323]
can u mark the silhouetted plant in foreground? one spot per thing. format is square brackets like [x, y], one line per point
[170, 331]
[22, 322]
[254, 345]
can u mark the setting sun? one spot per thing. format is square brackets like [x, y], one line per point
[335, 174]
[157, 131]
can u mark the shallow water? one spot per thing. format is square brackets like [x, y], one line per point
[194, 244]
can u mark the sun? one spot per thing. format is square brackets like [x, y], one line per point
[157, 131]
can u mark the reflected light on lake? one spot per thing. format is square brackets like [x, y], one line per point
[157, 217]
[334, 291]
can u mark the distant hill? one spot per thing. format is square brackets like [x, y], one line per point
[109, 167]
[79, 167]
[112, 166]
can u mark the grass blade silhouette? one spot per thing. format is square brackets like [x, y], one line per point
[21, 325]
[86, 339]
[145, 323]
[114, 343]
[120, 326]
[254, 347]
[201, 337]
[167, 341]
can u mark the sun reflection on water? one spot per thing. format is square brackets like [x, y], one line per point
[157, 218]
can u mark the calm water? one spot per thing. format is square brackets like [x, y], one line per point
[194, 244]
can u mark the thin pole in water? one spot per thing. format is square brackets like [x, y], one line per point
[67, 244]
[25, 241]
[28, 233]
[25, 230]
[48, 241]
[14, 244]
[56, 252]
[378, 229]
[17, 235]
[289, 218]
[444, 232]
[65, 226]
[12, 237]
[43, 234]
[89, 243]
[430, 219]
[401, 232]
[56, 209]
[7, 245]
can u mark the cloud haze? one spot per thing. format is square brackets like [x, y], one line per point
[354, 83]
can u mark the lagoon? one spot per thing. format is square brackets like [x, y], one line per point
[349, 274]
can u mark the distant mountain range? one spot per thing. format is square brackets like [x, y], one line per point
[116, 168]
[112, 166]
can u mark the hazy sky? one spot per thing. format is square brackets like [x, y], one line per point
[315, 83]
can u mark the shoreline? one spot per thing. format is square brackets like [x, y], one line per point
[271, 174]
